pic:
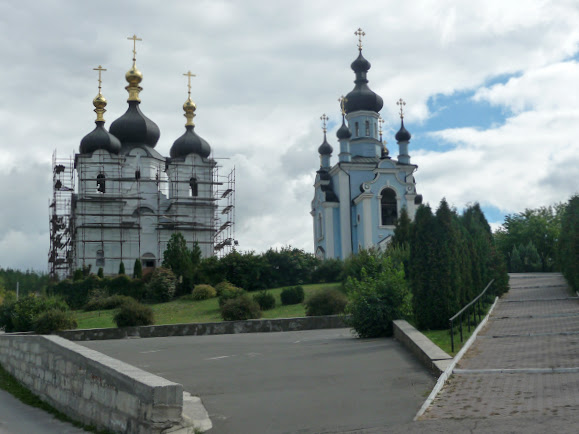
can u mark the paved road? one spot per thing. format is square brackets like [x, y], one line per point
[524, 365]
[317, 381]
[19, 418]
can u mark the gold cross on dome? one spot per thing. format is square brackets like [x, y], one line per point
[134, 39]
[189, 74]
[343, 100]
[324, 119]
[380, 122]
[401, 104]
[99, 69]
[359, 33]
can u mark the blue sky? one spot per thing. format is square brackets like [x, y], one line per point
[492, 98]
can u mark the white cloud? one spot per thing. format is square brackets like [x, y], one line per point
[267, 71]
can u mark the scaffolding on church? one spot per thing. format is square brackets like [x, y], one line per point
[105, 214]
[61, 225]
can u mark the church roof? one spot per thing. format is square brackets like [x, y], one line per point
[99, 138]
[362, 97]
[325, 148]
[134, 128]
[190, 143]
[402, 135]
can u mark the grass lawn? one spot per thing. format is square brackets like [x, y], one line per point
[188, 311]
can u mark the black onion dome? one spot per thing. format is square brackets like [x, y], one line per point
[325, 148]
[362, 97]
[343, 132]
[99, 138]
[402, 135]
[134, 128]
[190, 143]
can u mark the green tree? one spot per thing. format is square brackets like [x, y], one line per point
[402, 231]
[516, 261]
[122, 268]
[101, 273]
[138, 269]
[568, 244]
[177, 258]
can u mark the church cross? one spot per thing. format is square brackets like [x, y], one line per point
[99, 69]
[401, 104]
[359, 33]
[189, 75]
[343, 100]
[324, 119]
[134, 39]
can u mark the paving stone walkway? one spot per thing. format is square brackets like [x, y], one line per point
[525, 362]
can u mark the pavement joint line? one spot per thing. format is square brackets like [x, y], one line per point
[448, 371]
[517, 371]
[529, 335]
[551, 315]
[541, 299]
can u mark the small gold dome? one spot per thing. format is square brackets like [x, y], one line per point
[99, 101]
[189, 105]
[134, 76]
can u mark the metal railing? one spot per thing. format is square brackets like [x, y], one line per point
[476, 305]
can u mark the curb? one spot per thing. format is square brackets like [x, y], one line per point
[448, 372]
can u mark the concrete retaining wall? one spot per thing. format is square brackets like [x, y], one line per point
[93, 388]
[212, 328]
[428, 353]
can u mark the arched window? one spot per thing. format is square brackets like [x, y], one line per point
[100, 258]
[148, 260]
[100, 183]
[389, 207]
[194, 187]
[367, 128]
[357, 129]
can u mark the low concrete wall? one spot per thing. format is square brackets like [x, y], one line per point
[211, 328]
[429, 354]
[93, 388]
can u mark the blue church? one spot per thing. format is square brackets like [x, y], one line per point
[358, 200]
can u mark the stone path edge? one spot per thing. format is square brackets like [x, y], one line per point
[213, 328]
[450, 368]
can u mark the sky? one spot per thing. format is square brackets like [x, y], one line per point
[491, 91]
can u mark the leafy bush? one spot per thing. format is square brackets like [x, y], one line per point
[293, 295]
[329, 270]
[107, 303]
[53, 320]
[221, 286]
[20, 316]
[326, 302]
[229, 294]
[377, 300]
[265, 299]
[240, 308]
[162, 286]
[203, 292]
[134, 314]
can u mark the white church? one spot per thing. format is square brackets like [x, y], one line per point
[129, 199]
[358, 200]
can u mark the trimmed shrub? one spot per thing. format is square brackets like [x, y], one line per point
[265, 299]
[221, 286]
[162, 286]
[53, 320]
[138, 269]
[134, 314]
[293, 295]
[229, 294]
[203, 292]
[240, 308]
[377, 300]
[122, 268]
[101, 273]
[24, 312]
[326, 302]
[107, 303]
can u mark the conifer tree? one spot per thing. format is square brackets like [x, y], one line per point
[515, 261]
[138, 269]
[568, 245]
[402, 229]
[122, 268]
[101, 273]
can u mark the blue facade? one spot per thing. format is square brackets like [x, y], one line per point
[358, 200]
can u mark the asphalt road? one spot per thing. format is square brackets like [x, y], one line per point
[316, 381]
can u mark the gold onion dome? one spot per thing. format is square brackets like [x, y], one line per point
[99, 138]
[134, 128]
